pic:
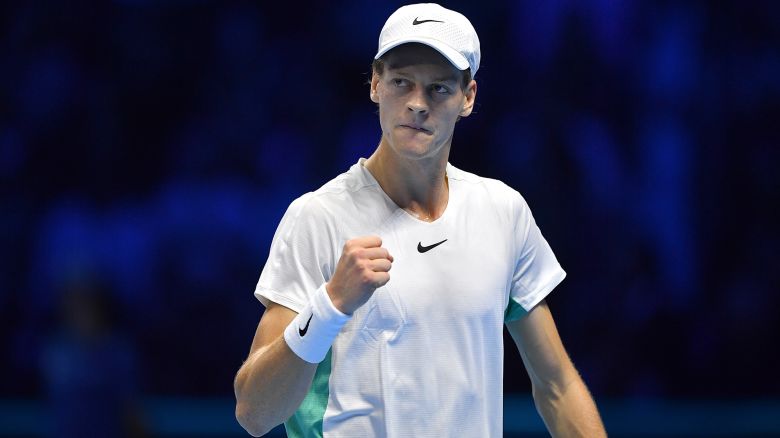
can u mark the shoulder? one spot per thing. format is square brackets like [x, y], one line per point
[501, 195]
[350, 183]
[332, 197]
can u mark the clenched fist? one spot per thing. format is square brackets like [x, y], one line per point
[362, 268]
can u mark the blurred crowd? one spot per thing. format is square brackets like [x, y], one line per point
[148, 151]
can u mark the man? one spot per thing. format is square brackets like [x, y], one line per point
[345, 348]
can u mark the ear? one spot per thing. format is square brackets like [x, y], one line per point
[471, 96]
[374, 83]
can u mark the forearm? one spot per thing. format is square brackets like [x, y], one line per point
[569, 410]
[270, 386]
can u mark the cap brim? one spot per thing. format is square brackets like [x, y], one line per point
[448, 52]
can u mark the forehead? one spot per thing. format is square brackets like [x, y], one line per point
[419, 55]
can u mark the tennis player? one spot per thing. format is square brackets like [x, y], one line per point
[387, 289]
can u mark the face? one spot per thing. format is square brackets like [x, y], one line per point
[420, 98]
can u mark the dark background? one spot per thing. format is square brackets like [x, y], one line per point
[149, 149]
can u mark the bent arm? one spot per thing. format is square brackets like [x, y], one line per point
[273, 381]
[560, 395]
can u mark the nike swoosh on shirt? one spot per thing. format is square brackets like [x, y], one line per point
[302, 331]
[421, 249]
[416, 21]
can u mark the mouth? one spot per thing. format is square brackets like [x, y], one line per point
[416, 128]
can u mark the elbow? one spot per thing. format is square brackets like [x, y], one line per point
[247, 417]
[555, 385]
[250, 421]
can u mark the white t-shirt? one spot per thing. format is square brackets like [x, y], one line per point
[424, 356]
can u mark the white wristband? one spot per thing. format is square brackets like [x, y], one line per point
[312, 332]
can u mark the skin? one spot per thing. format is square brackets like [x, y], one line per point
[273, 381]
[420, 99]
[559, 393]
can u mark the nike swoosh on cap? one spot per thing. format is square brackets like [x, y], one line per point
[418, 21]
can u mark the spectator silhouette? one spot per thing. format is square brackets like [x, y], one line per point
[89, 368]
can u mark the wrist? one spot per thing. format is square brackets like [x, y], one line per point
[311, 333]
[335, 300]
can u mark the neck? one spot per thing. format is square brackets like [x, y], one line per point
[419, 186]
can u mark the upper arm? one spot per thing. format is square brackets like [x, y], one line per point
[272, 324]
[541, 348]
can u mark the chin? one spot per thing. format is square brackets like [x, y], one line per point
[415, 151]
[414, 147]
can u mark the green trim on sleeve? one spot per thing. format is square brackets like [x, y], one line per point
[514, 311]
[306, 422]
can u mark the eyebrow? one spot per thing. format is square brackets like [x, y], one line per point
[449, 78]
[446, 79]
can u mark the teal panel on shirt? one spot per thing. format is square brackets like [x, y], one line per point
[306, 422]
[514, 311]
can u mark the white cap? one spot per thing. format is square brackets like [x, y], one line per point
[447, 31]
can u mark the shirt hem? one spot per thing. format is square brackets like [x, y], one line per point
[529, 302]
[267, 296]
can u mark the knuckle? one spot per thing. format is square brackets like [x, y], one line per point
[353, 253]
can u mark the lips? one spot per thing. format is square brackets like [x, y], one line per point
[416, 128]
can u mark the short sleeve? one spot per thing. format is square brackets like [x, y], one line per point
[301, 257]
[536, 271]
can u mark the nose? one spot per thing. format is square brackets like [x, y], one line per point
[417, 102]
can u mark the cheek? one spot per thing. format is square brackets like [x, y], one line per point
[451, 113]
[384, 119]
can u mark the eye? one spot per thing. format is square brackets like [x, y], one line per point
[441, 89]
[398, 82]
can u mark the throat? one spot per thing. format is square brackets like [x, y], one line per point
[426, 206]
[426, 214]
[419, 187]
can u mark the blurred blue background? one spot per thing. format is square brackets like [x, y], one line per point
[149, 149]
